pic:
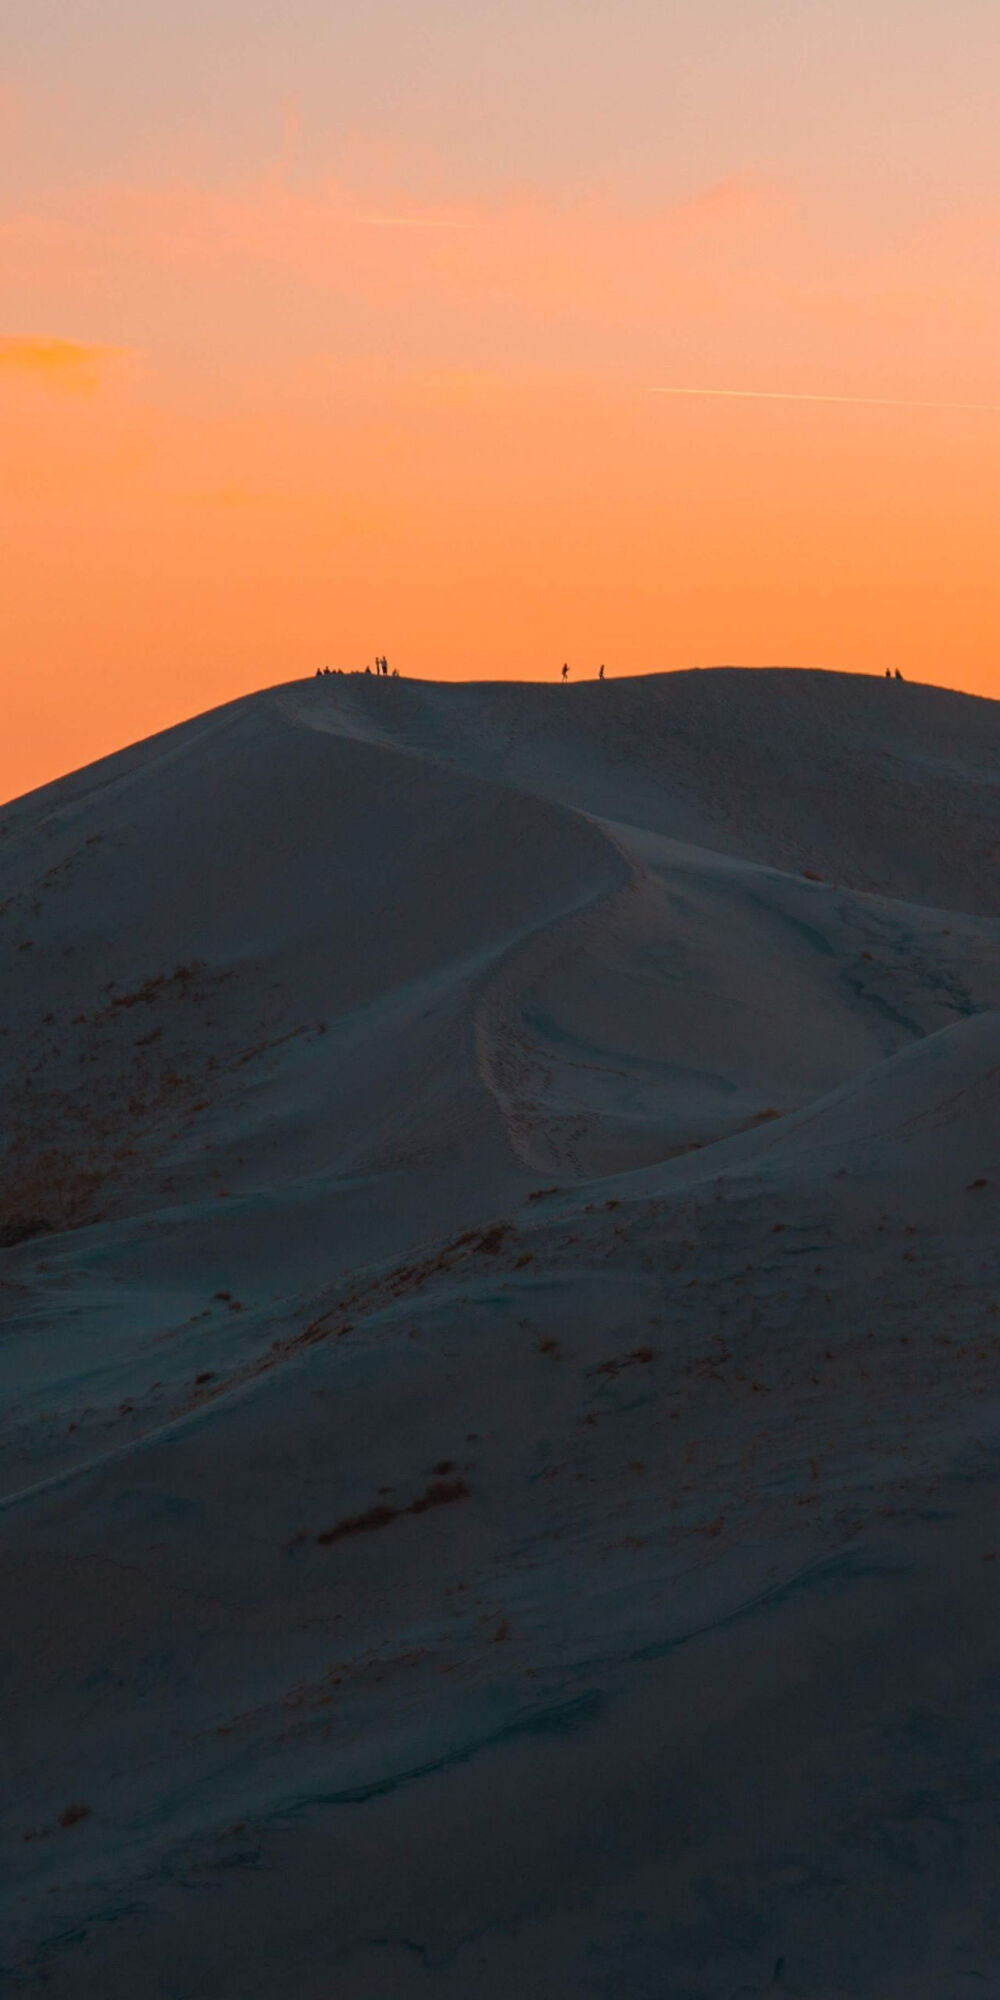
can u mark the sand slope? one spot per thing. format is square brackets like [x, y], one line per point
[501, 1301]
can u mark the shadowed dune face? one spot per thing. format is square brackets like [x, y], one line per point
[498, 1255]
[883, 787]
[260, 934]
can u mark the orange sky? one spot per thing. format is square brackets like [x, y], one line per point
[284, 384]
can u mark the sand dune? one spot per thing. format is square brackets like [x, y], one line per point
[501, 1301]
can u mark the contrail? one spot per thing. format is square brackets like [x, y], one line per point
[414, 222]
[789, 396]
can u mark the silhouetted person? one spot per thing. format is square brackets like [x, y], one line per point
[888, 673]
[898, 674]
[600, 675]
[367, 670]
[565, 671]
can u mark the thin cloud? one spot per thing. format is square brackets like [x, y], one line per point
[601, 254]
[415, 222]
[801, 396]
[74, 365]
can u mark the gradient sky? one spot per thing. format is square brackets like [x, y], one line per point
[329, 330]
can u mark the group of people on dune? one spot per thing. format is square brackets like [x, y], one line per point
[564, 676]
[381, 667]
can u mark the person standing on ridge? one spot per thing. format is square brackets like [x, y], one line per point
[898, 674]
[600, 675]
[565, 671]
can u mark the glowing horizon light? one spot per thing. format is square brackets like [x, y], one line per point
[804, 396]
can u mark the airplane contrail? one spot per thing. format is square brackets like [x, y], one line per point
[790, 396]
[414, 222]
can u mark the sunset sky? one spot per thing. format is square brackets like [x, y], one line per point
[328, 330]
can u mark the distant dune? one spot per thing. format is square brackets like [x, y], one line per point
[500, 1269]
